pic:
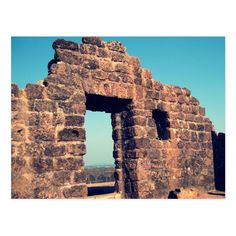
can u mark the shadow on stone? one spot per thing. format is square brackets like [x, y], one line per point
[174, 194]
[218, 143]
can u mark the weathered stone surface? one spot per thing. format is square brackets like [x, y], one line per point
[14, 90]
[50, 192]
[87, 49]
[76, 191]
[63, 44]
[117, 57]
[138, 143]
[34, 91]
[91, 64]
[94, 41]
[56, 92]
[69, 134]
[116, 46]
[55, 150]
[18, 133]
[16, 104]
[76, 149]
[42, 164]
[80, 177]
[99, 74]
[18, 163]
[61, 178]
[41, 134]
[42, 105]
[162, 139]
[74, 121]
[68, 163]
[72, 107]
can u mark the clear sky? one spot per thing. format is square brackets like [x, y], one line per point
[197, 63]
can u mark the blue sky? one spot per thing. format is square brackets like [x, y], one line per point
[197, 63]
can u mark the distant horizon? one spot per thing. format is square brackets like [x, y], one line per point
[197, 63]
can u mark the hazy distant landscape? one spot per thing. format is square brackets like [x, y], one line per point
[99, 173]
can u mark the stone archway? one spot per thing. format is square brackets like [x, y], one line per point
[48, 135]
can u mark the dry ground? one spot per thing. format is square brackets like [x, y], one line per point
[108, 189]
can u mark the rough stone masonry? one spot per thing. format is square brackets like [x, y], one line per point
[162, 139]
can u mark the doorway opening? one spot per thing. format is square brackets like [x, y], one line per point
[100, 168]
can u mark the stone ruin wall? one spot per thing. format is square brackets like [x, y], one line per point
[48, 134]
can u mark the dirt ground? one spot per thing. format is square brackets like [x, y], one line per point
[106, 190]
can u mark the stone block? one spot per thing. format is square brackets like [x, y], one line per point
[41, 133]
[201, 136]
[114, 77]
[116, 46]
[61, 178]
[103, 52]
[33, 119]
[184, 135]
[16, 104]
[189, 117]
[118, 175]
[34, 91]
[192, 126]
[180, 144]
[194, 136]
[49, 192]
[76, 149]
[107, 66]
[121, 68]
[99, 75]
[202, 111]
[83, 72]
[133, 131]
[74, 121]
[14, 90]
[68, 56]
[71, 134]
[181, 99]
[200, 127]
[34, 149]
[195, 110]
[42, 164]
[54, 150]
[186, 91]
[17, 163]
[18, 133]
[63, 44]
[94, 41]
[178, 91]
[68, 163]
[117, 57]
[87, 49]
[91, 64]
[80, 177]
[193, 101]
[138, 143]
[136, 120]
[135, 63]
[118, 164]
[116, 134]
[42, 106]
[72, 107]
[56, 92]
[78, 191]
